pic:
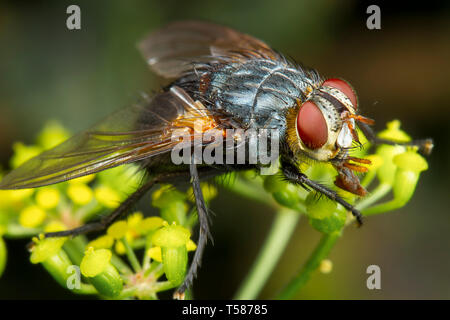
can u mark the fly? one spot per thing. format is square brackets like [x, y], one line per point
[226, 80]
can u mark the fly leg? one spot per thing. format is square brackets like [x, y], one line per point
[294, 176]
[425, 145]
[204, 232]
[107, 220]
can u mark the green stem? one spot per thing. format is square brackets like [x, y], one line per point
[131, 256]
[279, 235]
[320, 253]
[73, 250]
[380, 191]
[250, 190]
[120, 265]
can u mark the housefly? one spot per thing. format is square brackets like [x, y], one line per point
[225, 80]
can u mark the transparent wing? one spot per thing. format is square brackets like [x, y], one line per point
[171, 50]
[129, 135]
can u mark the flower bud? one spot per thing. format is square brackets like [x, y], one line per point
[410, 165]
[49, 253]
[166, 195]
[80, 193]
[150, 224]
[47, 198]
[274, 183]
[319, 208]
[107, 196]
[52, 135]
[330, 224]
[32, 216]
[323, 214]
[102, 274]
[118, 229]
[173, 241]
[22, 153]
[386, 173]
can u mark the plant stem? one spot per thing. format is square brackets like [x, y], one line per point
[380, 191]
[321, 252]
[250, 190]
[131, 256]
[279, 235]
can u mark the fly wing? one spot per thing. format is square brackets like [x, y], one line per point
[129, 135]
[173, 49]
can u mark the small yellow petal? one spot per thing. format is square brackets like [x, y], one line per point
[118, 229]
[52, 135]
[107, 196]
[32, 216]
[23, 153]
[155, 253]
[45, 248]
[191, 246]
[17, 195]
[103, 242]
[80, 193]
[55, 226]
[120, 248]
[150, 224]
[134, 220]
[47, 198]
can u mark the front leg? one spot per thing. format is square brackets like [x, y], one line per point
[295, 176]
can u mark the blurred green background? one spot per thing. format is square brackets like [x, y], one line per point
[401, 71]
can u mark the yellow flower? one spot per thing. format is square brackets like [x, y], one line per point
[52, 135]
[22, 153]
[191, 246]
[155, 253]
[14, 196]
[32, 216]
[47, 198]
[393, 132]
[150, 224]
[80, 193]
[118, 229]
[107, 196]
[103, 242]
[55, 226]
[119, 248]
[95, 261]
[45, 248]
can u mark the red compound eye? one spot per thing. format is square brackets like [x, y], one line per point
[344, 87]
[311, 126]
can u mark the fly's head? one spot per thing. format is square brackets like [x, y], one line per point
[323, 128]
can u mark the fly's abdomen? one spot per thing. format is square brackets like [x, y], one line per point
[258, 92]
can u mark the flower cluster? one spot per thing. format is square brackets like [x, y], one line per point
[162, 241]
[397, 169]
[109, 265]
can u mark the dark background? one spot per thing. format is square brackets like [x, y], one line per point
[400, 72]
